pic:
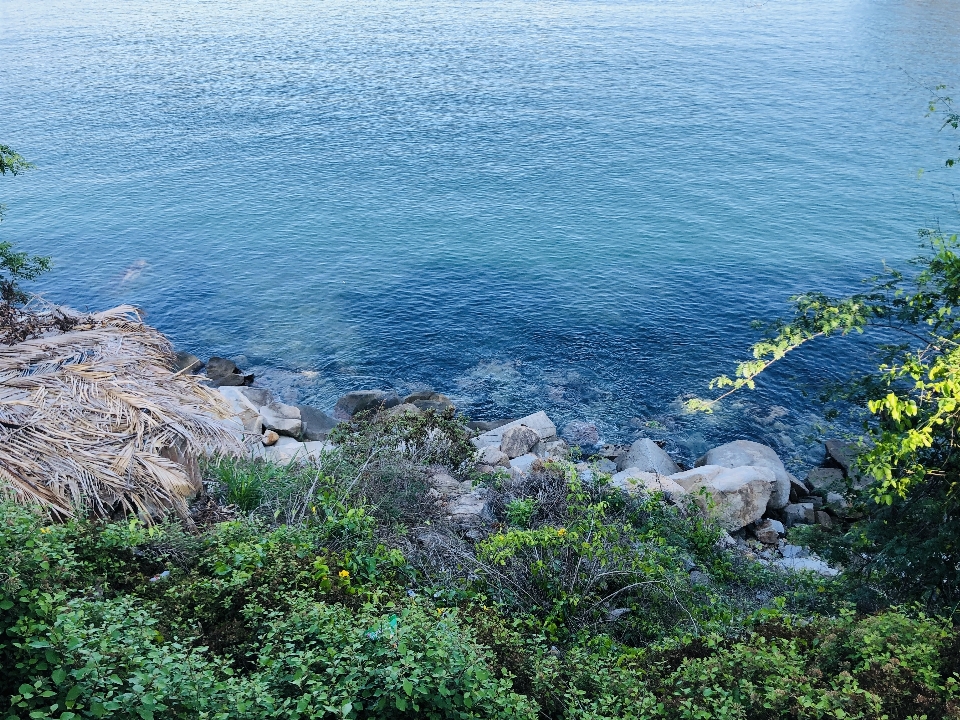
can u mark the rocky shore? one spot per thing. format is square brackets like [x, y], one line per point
[743, 484]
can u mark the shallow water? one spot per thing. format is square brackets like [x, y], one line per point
[570, 206]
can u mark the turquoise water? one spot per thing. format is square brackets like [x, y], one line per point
[575, 206]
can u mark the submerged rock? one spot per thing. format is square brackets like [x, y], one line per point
[223, 372]
[429, 400]
[746, 453]
[363, 400]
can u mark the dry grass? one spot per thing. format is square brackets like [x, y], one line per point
[94, 420]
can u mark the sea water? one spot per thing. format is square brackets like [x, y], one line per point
[574, 206]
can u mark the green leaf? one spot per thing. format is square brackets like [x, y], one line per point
[408, 687]
[59, 675]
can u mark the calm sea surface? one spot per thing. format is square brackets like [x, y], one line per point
[575, 206]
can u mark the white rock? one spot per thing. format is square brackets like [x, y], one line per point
[745, 453]
[493, 456]
[735, 497]
[524, 462]
[239, 402]
[519, 441]
[282, 419]
[634, 480]
[647, 456]
[538, 421]
[807, 564]
[284, 451]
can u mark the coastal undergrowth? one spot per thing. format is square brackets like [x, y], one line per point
[585, 603]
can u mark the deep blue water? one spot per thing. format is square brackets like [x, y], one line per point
[575, 206]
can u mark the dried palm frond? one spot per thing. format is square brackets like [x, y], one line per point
[95, 418]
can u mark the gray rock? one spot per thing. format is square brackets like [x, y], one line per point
[494, 457]
[258, 397]
[612, 452]
[823, 519]
[483, 426]
[809, 564]
[471, 509]
[746, 453]
[429, 400]
[524, 463]
[448, 486]
[187, 364]
[837, 500]
[316, 424]
[362, 401]
[635, 481]
[225, 373]
[282, 419]
[606, 466]
[538, 421]
[799, 514]
[402, 409]
[518, 441]
[794, 551]
[553, 450]
[822, 480]
[844, 454]
[769, 531]
[646, 455]
[581, 433]
[735, 497]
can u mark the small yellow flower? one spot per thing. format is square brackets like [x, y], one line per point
[45, 530]
[344, 574]
[314, 508]
[439, 611]
[561, 532]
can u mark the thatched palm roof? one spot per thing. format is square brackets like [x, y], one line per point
[94, 419]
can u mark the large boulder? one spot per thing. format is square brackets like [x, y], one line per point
[257, 396]
[493, 456]
[634, 480]
[186, 363]
[429, 400]
[845, 455]
[282, 419]
[538, 421]
[746, 453]
[246, 412]
[825, 480]
[223, 372]
[647, 456]
[316, 424]
[362, 401]
[519, 441]
[735, 497]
